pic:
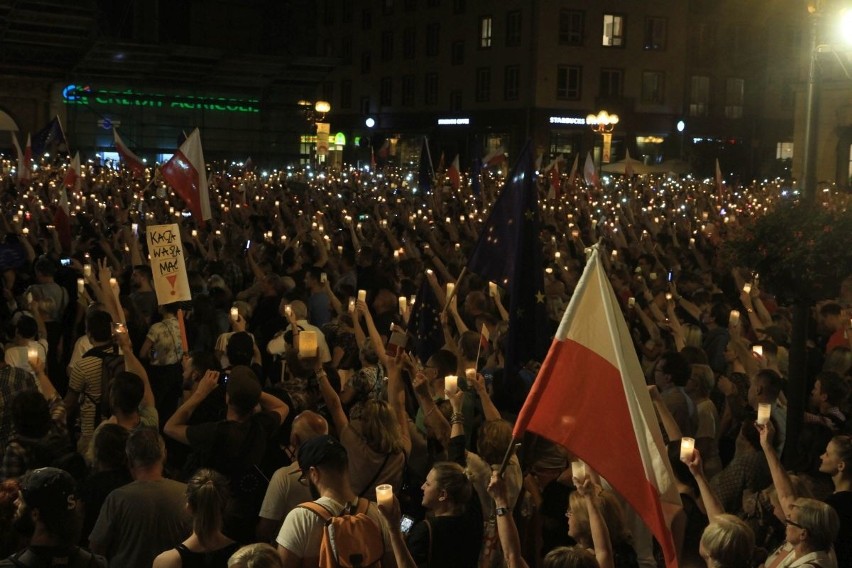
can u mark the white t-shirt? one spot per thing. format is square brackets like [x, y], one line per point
[284, 493]
[278, 346]
[18, 355]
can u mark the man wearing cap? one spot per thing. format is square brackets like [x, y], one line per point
[47, 509]
[236, 446]
[285, 492]
[325, 467]
[146, 517]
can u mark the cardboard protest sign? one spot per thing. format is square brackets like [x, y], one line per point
[165, 253]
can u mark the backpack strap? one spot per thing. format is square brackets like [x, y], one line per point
[319, 510]
[363, 506]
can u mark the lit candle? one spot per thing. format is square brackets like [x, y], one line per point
[691, 241]
[734, 317]
[450, 287]
[763, 413]
[757, 350]
[631, 301]
[578, 470]
[470, 374]
[288, 311]
[339, 249]
[403, 305]
[668, 296]
[308, 344]
[614, 254]
[362, 295]
[492, 289]
[81, 286]
[113, 283]
[32, 354]
[384, 495]
[557, 255]
[396, 255]
[687, 448]
[26, 231]
[351, 305]
[747, 287]
[87, 270]
[235, 314]
[451, 384]
[195, 232]
[653, 276]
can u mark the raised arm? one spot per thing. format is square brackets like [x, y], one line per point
[332, 401]
[597, 526]
[510, 541]
[711, 502]
[780, 478]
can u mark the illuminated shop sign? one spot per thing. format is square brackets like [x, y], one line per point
[453, 121]
[578, 120]
[85, 95]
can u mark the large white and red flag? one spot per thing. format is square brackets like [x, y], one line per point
[590, 396]
[572, 176]
[72, 174]
[720, 182]
[187, 175]
[494, 157]
[25, 158]
[554, 175]
[590, 172]
[131, 160]
[454, 173]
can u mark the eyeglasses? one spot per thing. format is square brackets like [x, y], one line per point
[303, 478]
[793, 523]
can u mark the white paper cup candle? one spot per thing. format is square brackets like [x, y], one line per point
[87, 270]
[308, 344]
[687, 448]
[362, 295]
[450, 287]
[631, 301]
[747, 287]
[403, 304]
[451, 384]
[351, 305]
[763, 413]
[757, 350]
[81, 285]
[492, 289]
[470, 374]
[384, 495]
[735, 317]
[32, 353]
[578, 470]
[235, 314]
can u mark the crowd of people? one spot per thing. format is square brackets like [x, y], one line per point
[293, 389]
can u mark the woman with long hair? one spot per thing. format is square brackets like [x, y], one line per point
[580, 527]
[207, 546]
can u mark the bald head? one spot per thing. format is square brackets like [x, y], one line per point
[299, 309]
[306, 426]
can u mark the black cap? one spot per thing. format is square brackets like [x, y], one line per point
[320, 450]
[50, 490]
[243, 389]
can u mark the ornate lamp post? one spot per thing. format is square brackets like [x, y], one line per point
[603, 123]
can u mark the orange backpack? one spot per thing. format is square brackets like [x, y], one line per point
[349, 540]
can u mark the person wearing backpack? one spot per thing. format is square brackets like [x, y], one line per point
[85, 385]
[361, 536]
[47, 508]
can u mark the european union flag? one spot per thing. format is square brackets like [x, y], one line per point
[425, 323]
[509, 253]
[49, 137]
[425, 174]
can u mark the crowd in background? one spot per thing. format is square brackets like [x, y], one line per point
[293, 374]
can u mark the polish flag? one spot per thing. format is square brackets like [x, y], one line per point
[572, 177]
[628, 166]
[495, 157]
[25, 158]
[555, 177]
[590, 396]
[186, 173]
[131, 160]
[590, 172]
[454, 173]
[719, 181]
[72, 174]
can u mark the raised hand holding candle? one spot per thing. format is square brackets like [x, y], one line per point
[687, 448]
[451, 384]
[87, 270]
[734, 317]
[747, 287]
[470, 374]
[403, 305]
[308, 346]
[492, 289]
[235, 314]
[763, 413]
[81, 286]
[578, 470]
[450, 287]
[384, 495]
[351, 305]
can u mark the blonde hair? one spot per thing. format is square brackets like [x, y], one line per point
[258, 555]
[611, 511]
[820, 520]
[380, 428]
[729, 542]
[691, 335]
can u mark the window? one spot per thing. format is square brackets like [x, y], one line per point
[511, 82]
[457, 55]
[430, 89]
[784, 151]
[387, 7]
[408, 84]
[346, 12]
[365, 105]
[613, 30]
[513, 28]
[571, 23]
[433, 37]
[346, 94]
[705, 41]
[568, 82]
[346, 50]
[734, 97]
[485, 32]
[386, 92]
[455, 101]
[366, 19]
[366, 62]
[653, 87]
[409, 43]
[699, 95]
[655, 34]
[387, 45]
[328, 13]
[612, 83]
[459, 6]
[483, 84]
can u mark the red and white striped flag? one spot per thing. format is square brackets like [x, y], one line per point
[72, 174]
[590, 172]
[572, 177]
[131, 160]
[25, 159]
[454, 173]
[186, 173]
[495, 157]
[555, 176]
[590, 396]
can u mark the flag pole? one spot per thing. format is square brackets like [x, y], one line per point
[479, 348]
[514, 446]
[453, 292]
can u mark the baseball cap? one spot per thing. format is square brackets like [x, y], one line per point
[50, 490]
[243, 388]
[319, 450]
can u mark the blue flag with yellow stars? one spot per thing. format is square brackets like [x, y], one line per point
[509, 253]
[425, 323]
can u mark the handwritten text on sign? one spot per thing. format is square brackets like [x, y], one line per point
[166, 255]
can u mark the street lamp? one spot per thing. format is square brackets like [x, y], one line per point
[603, 123]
